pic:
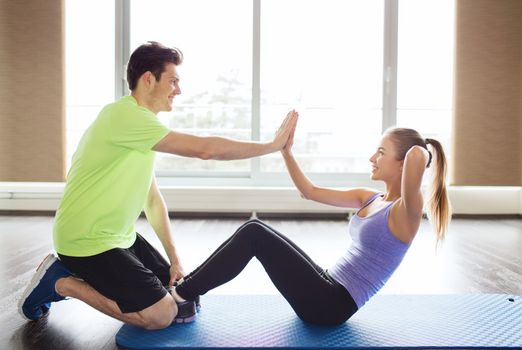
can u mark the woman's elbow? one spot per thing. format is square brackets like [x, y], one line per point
[307, 194]
[417, 153]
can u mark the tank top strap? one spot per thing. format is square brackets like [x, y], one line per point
[388, 209]
[371, 199]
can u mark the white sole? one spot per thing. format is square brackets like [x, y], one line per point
[37, 277]
[184, 320]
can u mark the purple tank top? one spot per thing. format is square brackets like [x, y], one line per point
[374, 255]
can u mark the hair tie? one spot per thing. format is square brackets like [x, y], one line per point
[429, 159]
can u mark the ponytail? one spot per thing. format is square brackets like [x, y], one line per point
[437, 203]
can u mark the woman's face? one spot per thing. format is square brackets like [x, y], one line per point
[385, 166]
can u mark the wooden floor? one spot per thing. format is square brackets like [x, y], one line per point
[479, 256]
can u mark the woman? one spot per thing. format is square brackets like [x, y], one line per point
[382, 231]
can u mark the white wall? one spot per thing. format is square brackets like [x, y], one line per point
[465, 200]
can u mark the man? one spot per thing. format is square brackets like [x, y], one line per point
[102, 260]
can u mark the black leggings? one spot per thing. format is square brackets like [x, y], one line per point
[313, 294]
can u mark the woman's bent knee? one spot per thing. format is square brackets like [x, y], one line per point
[252, 227]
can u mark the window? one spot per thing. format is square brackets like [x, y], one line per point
[325, 60]
[89, 65]
[247, 63]
[425, 68]
[215, 77]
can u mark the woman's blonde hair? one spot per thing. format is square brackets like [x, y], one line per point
[437, 203]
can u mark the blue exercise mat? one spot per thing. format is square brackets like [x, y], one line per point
[387, 321]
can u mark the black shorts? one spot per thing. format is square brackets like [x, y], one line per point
[134, 277]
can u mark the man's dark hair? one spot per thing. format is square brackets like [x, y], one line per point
[151, 57]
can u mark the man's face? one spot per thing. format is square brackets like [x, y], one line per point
[166, 89]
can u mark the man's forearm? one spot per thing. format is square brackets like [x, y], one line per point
[158, 218]
[214, 147]
[221, 148]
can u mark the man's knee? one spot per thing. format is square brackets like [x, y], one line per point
[159, 315]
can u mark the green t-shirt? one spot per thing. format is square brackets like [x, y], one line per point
[109, 180]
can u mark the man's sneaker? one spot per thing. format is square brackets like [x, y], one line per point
[46, 307]
[196, 300]
[186, 312]
[37, 297]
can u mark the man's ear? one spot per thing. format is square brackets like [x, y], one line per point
[148, 79]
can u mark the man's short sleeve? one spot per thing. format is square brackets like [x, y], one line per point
[136, 128]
